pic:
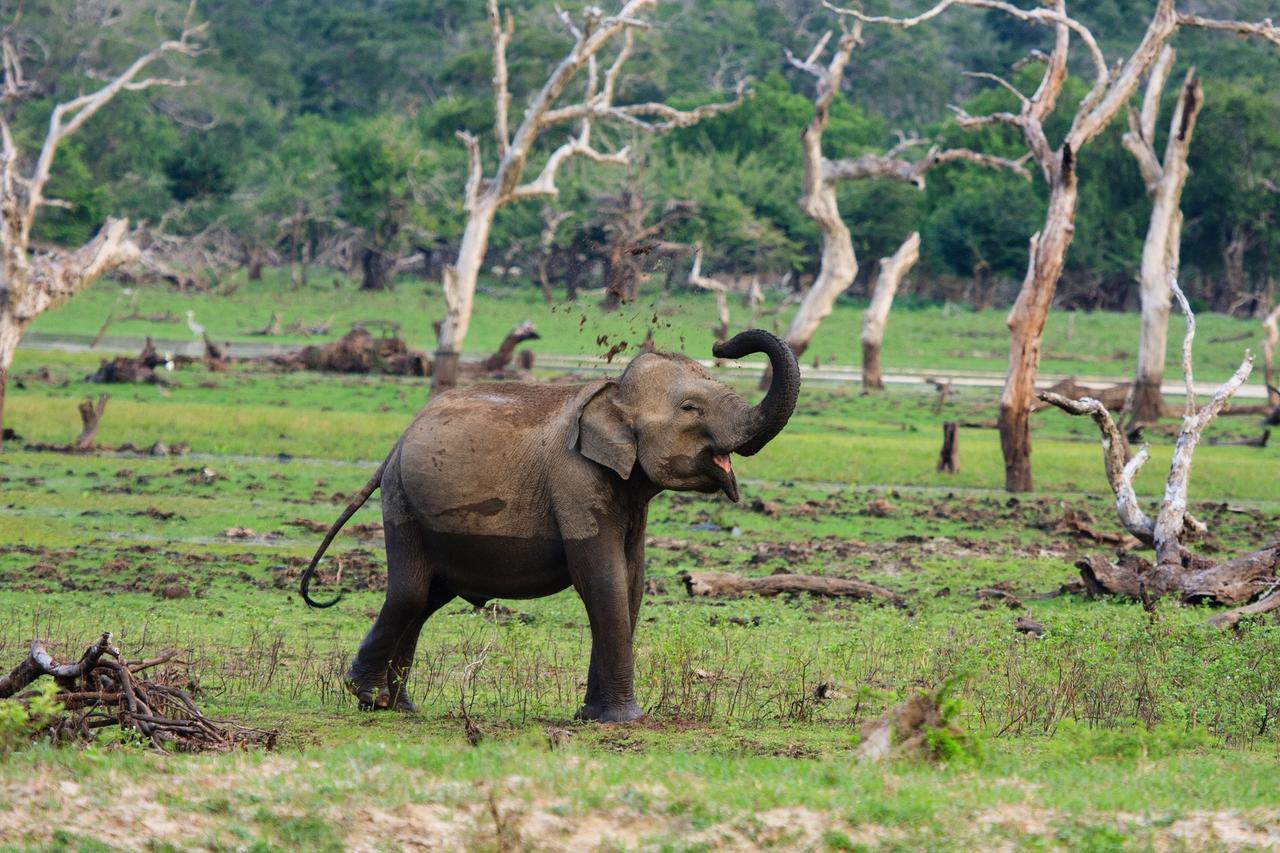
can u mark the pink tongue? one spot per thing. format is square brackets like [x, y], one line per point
[722, 462]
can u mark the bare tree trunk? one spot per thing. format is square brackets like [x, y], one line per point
[10, 334]
[296, 273]
[1160, 252]
[1233, 267]
[1026, 324]
[719, 288]
[459, 292]
[375, 268]
[1271, 325]
[551, 220]
[255, 264]
[892, 270]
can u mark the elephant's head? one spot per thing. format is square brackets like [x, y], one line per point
[667, 415]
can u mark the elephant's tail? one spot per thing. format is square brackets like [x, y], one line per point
[356, 502]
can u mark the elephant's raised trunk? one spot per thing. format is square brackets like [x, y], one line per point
[766, 420]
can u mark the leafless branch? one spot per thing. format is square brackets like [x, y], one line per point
[697, 279]
[1120, 470]
[1173, 508]
[475, 169]
[69, 116]
[501, 34]
[1263, 29]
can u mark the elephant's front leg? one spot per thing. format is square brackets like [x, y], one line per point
[602, 577]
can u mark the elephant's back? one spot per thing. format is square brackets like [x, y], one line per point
[478, 457]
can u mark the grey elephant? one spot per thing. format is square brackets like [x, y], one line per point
[520, 490]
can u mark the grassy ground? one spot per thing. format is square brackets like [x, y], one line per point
[1085, 344]
[1117, 729]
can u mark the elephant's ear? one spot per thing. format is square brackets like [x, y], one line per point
[602, 432]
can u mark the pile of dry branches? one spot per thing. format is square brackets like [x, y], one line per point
[102, 690]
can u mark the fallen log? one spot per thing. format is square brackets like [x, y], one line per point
[1113, 398]
[139, 368]
[1260, 441]
[718, 584]
[358, 351]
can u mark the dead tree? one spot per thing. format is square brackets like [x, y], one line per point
[1177, 570]
[1110, 92]
[822, 177]
[1164, 180]
[719, 288]
[483, 196]
[32, 282]
[1271, 329]
[892, 270]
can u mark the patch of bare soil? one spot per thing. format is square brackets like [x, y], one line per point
[358, 568]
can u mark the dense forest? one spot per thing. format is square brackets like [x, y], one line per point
[323, 132]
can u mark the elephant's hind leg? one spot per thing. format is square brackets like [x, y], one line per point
[402, 660]
[385, 654]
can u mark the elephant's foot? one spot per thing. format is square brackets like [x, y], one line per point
[403, 703]
[624, 713]
[368, 697]
[589, 712]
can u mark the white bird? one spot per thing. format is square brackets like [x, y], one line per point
[196, 328]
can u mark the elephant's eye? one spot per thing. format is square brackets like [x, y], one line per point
[689, 406]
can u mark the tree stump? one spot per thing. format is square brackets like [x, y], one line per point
[90, 415]
[949, 458]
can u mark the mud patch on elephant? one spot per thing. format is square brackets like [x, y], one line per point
[488, 508]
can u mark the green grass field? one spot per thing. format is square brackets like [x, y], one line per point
[1118, 729]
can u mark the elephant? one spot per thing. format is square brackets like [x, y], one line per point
[521, 490]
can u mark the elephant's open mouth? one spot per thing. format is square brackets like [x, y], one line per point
[722, 473]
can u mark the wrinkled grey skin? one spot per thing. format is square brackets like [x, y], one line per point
[515, 490]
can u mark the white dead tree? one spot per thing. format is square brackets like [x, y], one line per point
[719, 288]
[1177, 570]
[1164, 180]
[822, 177]
[1110, 92]
[890, 275]
[1271, 332]
[485, 195]
[33, 281]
